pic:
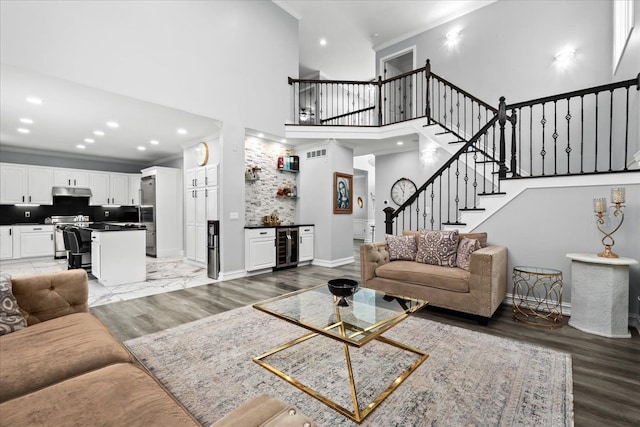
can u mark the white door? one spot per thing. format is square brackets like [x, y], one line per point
[201, 243]
[190, 207]
[211, 196]
[119, 186]
[13, 188]
[201, 207]
[99, 184]
[190, 237]
[40, 184]
[134, 189]
[6, 242]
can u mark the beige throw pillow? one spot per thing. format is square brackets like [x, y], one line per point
[401, 247]
[465, 248]
[11, 319]
[438, 248]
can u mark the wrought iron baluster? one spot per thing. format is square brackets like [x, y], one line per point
[568, 149]
[596, 144]
[610, 128]
[531, 140]
[582, 134]
[626, 133]
[432, 203]
[555, 137]
[543, 152]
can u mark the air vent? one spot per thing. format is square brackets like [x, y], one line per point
[317, 153]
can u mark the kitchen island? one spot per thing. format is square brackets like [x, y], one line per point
[118, 253]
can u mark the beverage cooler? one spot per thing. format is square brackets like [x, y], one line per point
[213, 249]
[286, 247]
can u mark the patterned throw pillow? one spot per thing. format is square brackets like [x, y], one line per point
[11, 319]
[438, 248]
[402, 247]
[465, 248]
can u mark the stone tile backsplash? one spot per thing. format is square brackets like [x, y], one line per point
[261, 196]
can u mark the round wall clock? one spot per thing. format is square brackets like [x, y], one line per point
[202, 153]
[401, 190]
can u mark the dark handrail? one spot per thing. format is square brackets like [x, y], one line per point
[351, 82]
[464, 92]
[575, 93]
[446, 165]
[348, 114]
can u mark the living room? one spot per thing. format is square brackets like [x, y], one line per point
[201, 58]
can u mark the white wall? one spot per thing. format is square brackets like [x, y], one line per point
[333, 232]
[507, 48]
[541, 226]
[227, 60]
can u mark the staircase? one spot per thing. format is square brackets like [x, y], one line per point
[495, 153]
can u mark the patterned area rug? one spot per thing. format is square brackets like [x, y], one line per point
[469, 378]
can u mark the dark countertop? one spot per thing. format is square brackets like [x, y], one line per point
[277, 226]
[98, 226]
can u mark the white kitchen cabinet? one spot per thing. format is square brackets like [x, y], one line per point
[211, 175]
[196, 177]
[25, 184]
[109, 188]
[134, 189]
[34, 240]
[99, 185]
[118, 257]
[305, 249]
[6, 242]
[201, 244]
[259, 248]
[70, 178]
[211, 197]
[119, 188]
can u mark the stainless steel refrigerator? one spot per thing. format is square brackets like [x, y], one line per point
[148, 211]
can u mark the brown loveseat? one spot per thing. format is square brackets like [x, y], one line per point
[65, 368]
[478, 291]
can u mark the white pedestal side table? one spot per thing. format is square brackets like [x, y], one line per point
[600, 294]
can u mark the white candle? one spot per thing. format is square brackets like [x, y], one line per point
[599, 204]
[617, 195]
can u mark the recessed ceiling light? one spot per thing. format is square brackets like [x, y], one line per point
[182, 131]
[323, 42]
[34, 100]
[283, 140]
[154, 142]
[261, 135]
[374, 35]
[26, 121]
[89, 140]
[98, 132]
[113, 124]
[399, 143]
[23, 130]
[80, 146]
[141, 148]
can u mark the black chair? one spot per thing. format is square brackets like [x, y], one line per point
[79, 254]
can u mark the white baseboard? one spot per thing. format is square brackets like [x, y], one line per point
[230, 275]
[333, 263]
[566, 307]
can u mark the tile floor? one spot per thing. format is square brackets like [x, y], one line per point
[163, 275]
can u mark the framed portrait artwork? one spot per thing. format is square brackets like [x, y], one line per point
[342, 193]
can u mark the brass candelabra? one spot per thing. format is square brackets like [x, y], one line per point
[603, 214]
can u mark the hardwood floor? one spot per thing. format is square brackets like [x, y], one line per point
[606, 372]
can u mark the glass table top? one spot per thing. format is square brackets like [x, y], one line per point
[368, 315]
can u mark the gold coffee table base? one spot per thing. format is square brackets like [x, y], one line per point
[356, 415]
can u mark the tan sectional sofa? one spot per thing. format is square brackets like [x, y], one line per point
[66, 369]
[478, 291]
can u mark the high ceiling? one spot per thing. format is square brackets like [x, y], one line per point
[66, 119]
[354, 30]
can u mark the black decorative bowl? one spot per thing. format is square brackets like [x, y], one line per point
[342, 288]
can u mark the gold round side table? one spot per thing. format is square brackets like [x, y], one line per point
[537, 296]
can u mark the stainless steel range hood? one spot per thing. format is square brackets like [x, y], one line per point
[71, 191]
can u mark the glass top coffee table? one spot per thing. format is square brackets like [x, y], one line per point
[369, 314]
